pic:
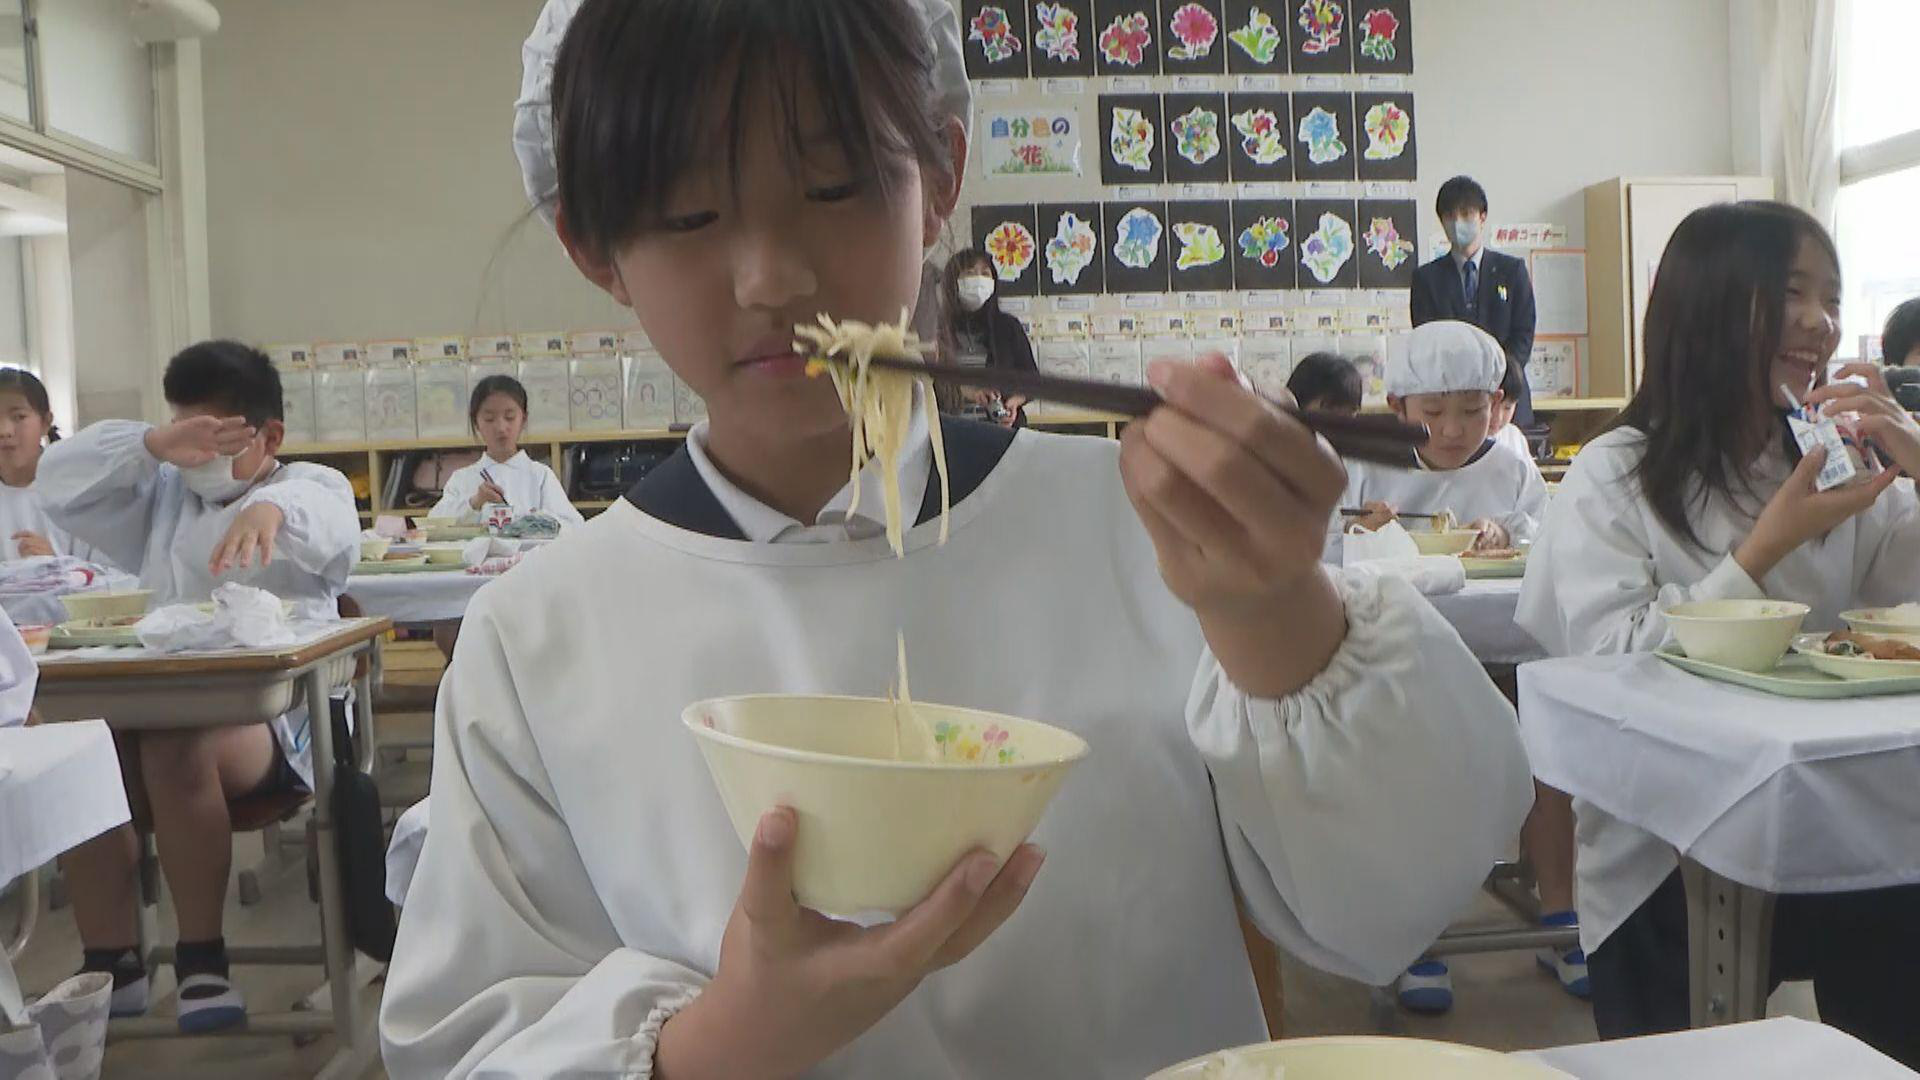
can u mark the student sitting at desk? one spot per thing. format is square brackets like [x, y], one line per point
[188, 506]
[26, 428]
[497, 414]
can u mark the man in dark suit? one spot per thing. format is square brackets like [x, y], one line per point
[1470, 283]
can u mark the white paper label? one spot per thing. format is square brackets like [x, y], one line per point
[1195, 84]
[1063, 86]
[1131, 84]
[994, 87]
[1330, 297]
[1016, 305]
[1259, 191]
[1323, 82]
[1257, 83]
[1133, 191]
[1388, 189]
[1383, 82]
[1200, 299]
[1260, 298]
[1325, 189]
[1196, 191]
[1073, 303]
[1142, 301]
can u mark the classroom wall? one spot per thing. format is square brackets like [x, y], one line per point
[360, 179]
[360, 176]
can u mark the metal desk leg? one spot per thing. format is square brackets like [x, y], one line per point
[366, 736]
[333, 909]
[1729, 947]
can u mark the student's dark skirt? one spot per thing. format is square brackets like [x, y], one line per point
[1861, 949]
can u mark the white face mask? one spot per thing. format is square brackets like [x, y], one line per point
[974, 292]
[1464, 232]
[215, 481]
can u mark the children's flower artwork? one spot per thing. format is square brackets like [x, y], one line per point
[1136, 239]
[1196, 134]
[1195, 28]
[1199, 245]
[1126, 38]
[1320, 130]
[1130, 140]
[1010, 247]
[1387, 125]
[1071, 250]
[1322, 20]
[1056, 31]
[1384, 241]
[1376, 34]
[1264, 240]
[995, 34]
[1259, 39]
[1260, 136]
[1328, 248]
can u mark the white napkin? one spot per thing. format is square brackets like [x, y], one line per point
[242, 616]
[481, 548]
[1392, 552]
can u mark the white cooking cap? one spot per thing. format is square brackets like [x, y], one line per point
[1445, 356]
[533, 112]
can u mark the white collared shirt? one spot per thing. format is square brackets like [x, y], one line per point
[1460, 262]
[762, 524]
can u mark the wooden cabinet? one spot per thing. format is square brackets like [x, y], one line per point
[1629, 221]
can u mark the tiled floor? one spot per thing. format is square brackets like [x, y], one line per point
[1502, 1000]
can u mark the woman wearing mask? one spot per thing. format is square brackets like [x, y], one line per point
[974, 332]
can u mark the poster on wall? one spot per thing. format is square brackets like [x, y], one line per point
[1062, 43]
[1323, 137]
[1136, 242]
[1264, 255]
[1260, 138]
[1200, 232]
[1387, 253]
[1383, 37]
[1195, 43]
[1320, 37]
[1328, 242]
[1030, 142]
[1195, 138]
[1131, 148]
[1388, 144]
[1126, 37]
[1006, 234]
[1069, 256]
[1256, 37]
[996, 41]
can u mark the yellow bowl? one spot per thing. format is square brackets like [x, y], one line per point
[374, 549]
[107, 605]
[1451, 542]
[446, 554]
[1359, 1057]
[1751, 635]
[1904, 619]
[876, 833]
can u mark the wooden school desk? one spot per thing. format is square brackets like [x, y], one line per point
[1759, 795]
[135, 689]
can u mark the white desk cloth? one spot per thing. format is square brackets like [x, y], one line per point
[1780, 794]
[416, 598]
[1784, 1048]
[59, 787]
[1483, 614]
[305, 632]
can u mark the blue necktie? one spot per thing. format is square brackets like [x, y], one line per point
[1470, 275]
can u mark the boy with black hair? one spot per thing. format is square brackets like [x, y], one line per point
[1328, 382]
[188, 506]
[1473, 284]
[1900, 341]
